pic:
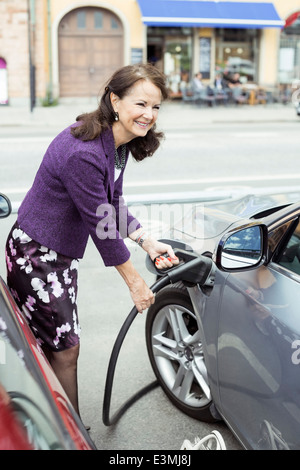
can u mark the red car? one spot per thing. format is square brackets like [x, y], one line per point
[35, 413]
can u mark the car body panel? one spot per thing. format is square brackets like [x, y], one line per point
[12, 434]
[258, 380]
[250, 324]
[35, 412]
[29, 390]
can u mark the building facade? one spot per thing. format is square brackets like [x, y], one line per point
[66, 49]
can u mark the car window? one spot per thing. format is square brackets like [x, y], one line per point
[26, 399]
[290, 254]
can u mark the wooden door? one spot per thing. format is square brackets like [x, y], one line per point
[90, 49]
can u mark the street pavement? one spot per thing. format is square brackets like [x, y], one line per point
[174, 115]
[152, 423]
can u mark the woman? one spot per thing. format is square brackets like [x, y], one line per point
[77, 192]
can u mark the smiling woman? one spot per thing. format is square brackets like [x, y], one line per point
[77, 192]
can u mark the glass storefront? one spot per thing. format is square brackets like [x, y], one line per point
[171, 50]
[237, 52]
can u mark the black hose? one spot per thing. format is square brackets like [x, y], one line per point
[162, 282]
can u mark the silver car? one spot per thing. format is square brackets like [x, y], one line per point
[227, 345]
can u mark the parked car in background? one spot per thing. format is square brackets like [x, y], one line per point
[35, 413]
[231, 351]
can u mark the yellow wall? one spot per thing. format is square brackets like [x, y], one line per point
[286, 7]
[128, 9]
[269, 52]
[268, 57]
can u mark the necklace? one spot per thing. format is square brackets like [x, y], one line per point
[120, 164]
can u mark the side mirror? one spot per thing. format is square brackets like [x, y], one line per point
[5, 206]
[243, 249]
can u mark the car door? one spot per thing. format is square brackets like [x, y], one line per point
[259, 346]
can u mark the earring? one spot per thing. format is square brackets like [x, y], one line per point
[116, 116]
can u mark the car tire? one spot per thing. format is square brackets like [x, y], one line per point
[175, 352]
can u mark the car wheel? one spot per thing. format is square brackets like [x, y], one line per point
[176, 354]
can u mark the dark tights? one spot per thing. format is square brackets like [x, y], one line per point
[64, 365]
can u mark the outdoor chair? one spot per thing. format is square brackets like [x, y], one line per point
[207, 96]
[221, 96]
[188, 95]
[239, 96]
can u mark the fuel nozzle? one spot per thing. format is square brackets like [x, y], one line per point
[192, 269]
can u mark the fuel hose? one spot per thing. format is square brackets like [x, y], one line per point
[196, 269]
[107, 420]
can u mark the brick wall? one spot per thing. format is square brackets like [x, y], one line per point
[40, 49]
[14, 46]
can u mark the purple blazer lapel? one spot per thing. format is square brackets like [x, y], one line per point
[108, 145]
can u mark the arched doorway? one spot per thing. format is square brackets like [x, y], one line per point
[90, 45]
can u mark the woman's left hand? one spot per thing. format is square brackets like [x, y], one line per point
[156, 249]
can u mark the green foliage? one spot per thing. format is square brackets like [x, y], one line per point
[49, 100]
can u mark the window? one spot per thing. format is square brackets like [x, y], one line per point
[290, 254]
[170, 49]
[81, 20]
[114, 24]
[27, 401]
[98, 20]
[237, 52]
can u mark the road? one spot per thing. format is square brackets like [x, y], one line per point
[204, 150]
[228, 151]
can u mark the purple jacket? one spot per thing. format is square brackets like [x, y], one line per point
[74, 195]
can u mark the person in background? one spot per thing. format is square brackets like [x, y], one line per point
[197, 82]
[219, 83]
[235, 80]
[77, 193]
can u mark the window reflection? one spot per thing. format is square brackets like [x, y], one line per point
[242, 249]
[290, 255]
[26, 399]
[245, 243]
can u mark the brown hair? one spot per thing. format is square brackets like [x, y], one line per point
[92, 124]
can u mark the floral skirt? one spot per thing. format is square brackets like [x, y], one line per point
[44, 285]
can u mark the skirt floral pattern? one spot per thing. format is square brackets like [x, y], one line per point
[44, 285]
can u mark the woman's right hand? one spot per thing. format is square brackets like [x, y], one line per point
[140, 293]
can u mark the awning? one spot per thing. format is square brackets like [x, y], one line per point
[215, 14]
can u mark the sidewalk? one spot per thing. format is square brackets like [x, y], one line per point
[174, 115]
